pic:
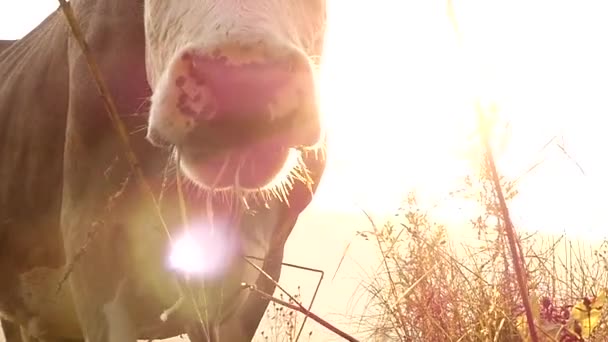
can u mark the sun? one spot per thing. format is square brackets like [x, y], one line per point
[396, 107]
[401, 82]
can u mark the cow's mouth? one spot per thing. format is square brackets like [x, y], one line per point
[247, 154]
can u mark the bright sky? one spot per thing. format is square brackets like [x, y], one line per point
[398, 93]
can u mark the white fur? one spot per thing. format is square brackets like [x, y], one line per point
[169, 123]
[173, 25]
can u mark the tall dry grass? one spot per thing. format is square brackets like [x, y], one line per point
[429, 288]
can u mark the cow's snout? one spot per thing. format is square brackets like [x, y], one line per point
[240, 84]
[236, 112]
[234, 94]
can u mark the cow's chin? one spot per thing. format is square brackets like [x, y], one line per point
[259, 167]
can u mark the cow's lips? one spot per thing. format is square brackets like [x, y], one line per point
[250, 165]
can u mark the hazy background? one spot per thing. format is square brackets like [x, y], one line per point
[399, 86]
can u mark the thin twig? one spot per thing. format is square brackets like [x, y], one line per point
[301, 309]
[265, 274]
[314, 295]
[516, 254]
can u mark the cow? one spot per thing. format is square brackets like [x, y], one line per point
[220, 101]
[5, 44]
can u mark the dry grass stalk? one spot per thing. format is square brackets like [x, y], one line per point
[470, 292]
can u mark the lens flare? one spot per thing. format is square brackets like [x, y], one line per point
[202, 252]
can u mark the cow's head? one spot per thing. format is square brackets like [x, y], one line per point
[234, 87]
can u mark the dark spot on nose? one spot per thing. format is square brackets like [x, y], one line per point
[187, 110]
[186, 57]
[180, 81]
[183, 98]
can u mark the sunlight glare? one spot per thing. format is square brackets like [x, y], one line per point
[201, 251]
[187, 255]
[396, 119]
[399, 88]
